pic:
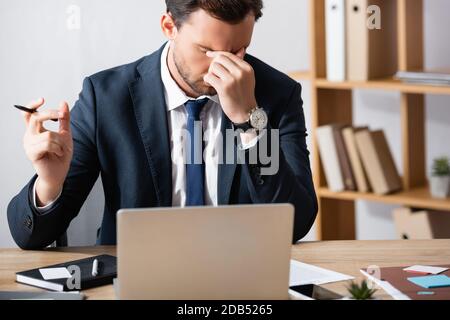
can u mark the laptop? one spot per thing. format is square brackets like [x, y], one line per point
[205, 253]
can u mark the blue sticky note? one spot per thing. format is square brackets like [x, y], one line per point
[429, 282]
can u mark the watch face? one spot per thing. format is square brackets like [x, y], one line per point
[259, 119]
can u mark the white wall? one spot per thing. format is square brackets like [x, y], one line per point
[39, 56]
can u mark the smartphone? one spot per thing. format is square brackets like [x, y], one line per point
[316, 292]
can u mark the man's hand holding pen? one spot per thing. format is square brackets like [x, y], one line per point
[50, 152]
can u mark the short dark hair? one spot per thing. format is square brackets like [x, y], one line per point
[232, 11]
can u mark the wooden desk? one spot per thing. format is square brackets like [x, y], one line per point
[342, 256]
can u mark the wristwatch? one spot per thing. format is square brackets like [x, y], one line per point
[258, 120]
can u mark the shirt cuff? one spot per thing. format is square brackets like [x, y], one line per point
[249, 139]
[48, 206]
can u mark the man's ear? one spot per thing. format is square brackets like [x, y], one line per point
[168, 26]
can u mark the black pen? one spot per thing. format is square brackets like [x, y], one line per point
[22, 108]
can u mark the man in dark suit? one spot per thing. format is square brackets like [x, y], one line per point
[130, 125]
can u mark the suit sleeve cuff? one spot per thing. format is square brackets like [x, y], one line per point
[249, 139]
[44, 208]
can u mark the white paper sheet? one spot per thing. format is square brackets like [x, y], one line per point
[302, 273]
[55, 273]
[386, 286]
[425, 269]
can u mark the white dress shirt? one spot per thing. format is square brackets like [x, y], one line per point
[211, 117]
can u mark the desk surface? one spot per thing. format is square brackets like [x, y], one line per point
[342, 256]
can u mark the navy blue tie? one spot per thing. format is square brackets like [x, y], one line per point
[195, 166]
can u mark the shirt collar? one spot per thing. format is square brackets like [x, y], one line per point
[174, 95]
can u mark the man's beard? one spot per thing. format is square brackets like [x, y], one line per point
[199, 86]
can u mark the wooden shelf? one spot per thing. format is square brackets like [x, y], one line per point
[332, 102]
[416, 198]
[380, 84]
[384, 84]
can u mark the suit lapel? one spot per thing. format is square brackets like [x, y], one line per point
[225, 174]
[147, 93]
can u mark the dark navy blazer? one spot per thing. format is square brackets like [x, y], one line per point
[120, 131]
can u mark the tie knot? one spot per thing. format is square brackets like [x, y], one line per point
[194, 107]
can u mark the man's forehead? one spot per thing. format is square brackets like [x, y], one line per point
[228, 46]
[220, 36]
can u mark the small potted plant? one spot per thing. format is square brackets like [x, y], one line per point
[440, 178]
[360, 292]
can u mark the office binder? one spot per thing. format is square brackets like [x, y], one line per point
[335, 40]
[371, 53]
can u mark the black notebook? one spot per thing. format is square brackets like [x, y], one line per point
[107, 271]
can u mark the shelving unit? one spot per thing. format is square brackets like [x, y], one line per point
[331, 102]
[388, 84]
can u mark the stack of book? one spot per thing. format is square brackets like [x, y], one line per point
[437, 77]
[361, 39]
[357, 159]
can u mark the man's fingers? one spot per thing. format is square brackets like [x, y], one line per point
[48, 136]
[213, 81]
[240, 62]
[64, 120]
[220, 71]
[36, 119]
[39, 150]
[35, 104]
[229, 64]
